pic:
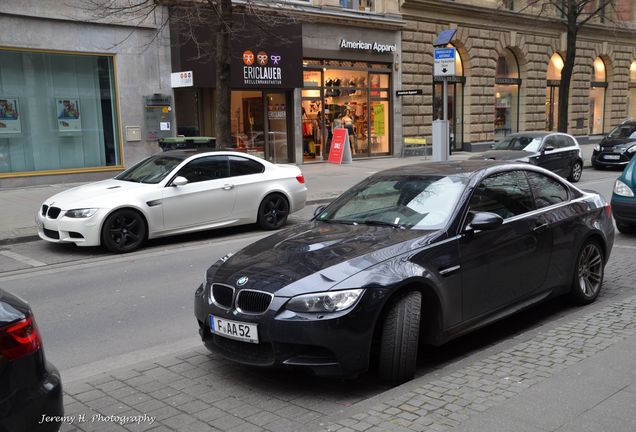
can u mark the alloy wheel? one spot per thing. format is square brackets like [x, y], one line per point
[590, 270]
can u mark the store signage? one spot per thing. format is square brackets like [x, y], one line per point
[408, 92]
[451, 79]
[444, 62]
[158, 116]
[554, 83]
[598, 84]
[377, 47]
[181, 79]
[508, 81]
[412, 140]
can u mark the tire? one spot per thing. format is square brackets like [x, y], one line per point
[588, 273]
[399, 339]
[273, 212]
[123, 231]
[625, 228]
[575, 172]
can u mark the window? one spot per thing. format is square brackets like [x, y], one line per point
[242, 166]
[206, 168]
[547, 191]
[506, 194]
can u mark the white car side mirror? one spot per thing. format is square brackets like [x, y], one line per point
[179, 181]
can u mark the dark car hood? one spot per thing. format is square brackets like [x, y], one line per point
[327, 252]
[617, 142]
[504, 155]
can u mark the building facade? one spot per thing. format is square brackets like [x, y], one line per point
[509, 60]
[332, 64]
[73, 84]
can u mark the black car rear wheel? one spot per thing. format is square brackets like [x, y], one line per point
[123, 231]
[588, 273]
[575, 172]
[400, 335]
[273, 212]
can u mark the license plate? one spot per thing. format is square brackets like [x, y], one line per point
[611, 157]
[234, 329]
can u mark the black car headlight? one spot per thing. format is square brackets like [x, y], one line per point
[329, 301]
[597, 148]
[632, 149]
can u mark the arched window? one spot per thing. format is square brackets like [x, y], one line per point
[455, 104]
[632, 90]
[552, 91]
[598, 85]
[507, 85]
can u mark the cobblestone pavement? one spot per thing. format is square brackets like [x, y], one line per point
[198, 391]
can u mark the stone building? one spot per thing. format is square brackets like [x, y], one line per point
[510, 55]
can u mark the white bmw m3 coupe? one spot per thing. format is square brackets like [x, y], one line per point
[170, 193]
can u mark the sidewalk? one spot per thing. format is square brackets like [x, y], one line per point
[324, 182]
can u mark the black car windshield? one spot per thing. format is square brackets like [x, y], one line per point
[418, 202]
[519, 142]
[150, 170]
[623, 131]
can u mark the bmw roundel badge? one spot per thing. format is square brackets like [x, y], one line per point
[242, 280]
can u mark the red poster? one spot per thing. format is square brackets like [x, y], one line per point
[337, 145]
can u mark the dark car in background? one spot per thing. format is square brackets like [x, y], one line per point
[624, 199]
[557, 152]
[617, 148]
[413, 255]
[30, 387]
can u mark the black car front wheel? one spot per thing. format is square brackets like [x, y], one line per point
[575, 172]
[123, 231]
[588, 273]
[399, 340]
[273, 212]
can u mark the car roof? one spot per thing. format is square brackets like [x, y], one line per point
[448, 167]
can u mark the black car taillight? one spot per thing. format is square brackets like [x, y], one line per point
[20, 339]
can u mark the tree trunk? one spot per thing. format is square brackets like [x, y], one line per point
[223, 118]
[568, 67]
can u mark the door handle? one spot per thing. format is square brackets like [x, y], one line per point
[540, 228]
[228, 186]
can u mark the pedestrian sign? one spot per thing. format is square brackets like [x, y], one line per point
[444, 62]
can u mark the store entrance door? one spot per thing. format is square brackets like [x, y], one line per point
[551, 108]
[277, 149]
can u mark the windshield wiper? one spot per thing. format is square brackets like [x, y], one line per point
[338, 221]
[380, 223]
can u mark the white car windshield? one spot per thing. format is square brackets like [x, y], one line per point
[519, 142]
[418, 202]
[150, 170]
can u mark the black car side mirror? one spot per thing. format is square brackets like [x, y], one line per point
[319, 210]
[485, 221]
[547, 148]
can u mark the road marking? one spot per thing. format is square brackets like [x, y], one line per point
[23, 259]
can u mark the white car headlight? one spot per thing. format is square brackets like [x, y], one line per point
[80, 213]
[330, 301]
[622, 189]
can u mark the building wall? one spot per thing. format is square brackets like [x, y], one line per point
[480, 39]
[142, 62]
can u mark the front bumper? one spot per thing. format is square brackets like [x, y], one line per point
[335, 344]
[608, 159]
[624, 210]
[27, 408]
[81, 231]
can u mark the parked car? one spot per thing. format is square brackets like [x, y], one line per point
[617, 148]
[30, 386]
[624, 199]
[413, 255]
[170, 193]
[557, 152]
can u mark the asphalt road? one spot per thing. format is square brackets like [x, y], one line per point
[98, 312]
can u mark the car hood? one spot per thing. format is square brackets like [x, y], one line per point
[504, 155]
[323, 253]
[618, 143]
[96, 195]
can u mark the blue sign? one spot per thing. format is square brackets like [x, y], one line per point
[444, 53]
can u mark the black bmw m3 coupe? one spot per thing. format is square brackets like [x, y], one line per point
[413, 255]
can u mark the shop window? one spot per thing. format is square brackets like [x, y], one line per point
[552, 92]
[57, 112]
[632, 90]
[507, 84]
[597, 97]
[354, 96]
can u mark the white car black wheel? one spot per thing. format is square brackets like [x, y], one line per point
[273, 212]
[123, 231]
